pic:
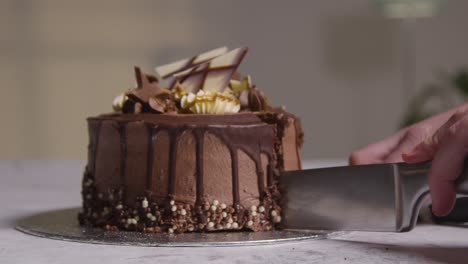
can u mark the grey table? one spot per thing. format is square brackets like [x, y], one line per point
[29, 187]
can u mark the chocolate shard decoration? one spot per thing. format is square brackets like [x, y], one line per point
[196, 79]
[213, 75]
[163, 102]
[166, 72]
[145, 88]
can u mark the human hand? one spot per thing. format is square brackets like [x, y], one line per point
[391, 149]
[448, 149]
[442, 138]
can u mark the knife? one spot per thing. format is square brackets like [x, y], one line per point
[380, 197]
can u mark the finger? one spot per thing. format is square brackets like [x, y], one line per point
[426, 150]
[376, 152]
[447, 166]
[410, 139]
[418, 155]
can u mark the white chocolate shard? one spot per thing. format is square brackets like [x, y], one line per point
[217, 80]
[166, 72]
[206, 56]
[193, 82]
[231, 58]
[213, 75]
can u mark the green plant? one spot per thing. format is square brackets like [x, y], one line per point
[449, 91]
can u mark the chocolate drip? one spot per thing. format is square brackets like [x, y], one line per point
[238, 138]
[174, 136]
[235, 176]
[235, 139]
[123, 151]
[235, 135]
[95, 145]
[199, 137]
[260, 181]
[149, 162]
[270, 172]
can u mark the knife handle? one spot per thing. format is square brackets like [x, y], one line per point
[413, 190]
[459, 213]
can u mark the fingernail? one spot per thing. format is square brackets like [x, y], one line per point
[408, 151]
[406, 156]
[444, 207]
[410, 155]
[439, 213]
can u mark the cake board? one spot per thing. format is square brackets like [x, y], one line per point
[63, 225]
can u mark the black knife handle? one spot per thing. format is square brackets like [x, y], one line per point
[459, 214]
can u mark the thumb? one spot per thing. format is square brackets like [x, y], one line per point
[426, 150]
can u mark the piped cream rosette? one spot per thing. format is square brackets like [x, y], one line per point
[210, 102]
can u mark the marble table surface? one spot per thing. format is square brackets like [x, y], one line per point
[29, 187]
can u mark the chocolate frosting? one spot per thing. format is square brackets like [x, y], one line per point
[243, 132]
[169, 157]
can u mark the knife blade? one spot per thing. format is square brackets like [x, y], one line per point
[379, 197]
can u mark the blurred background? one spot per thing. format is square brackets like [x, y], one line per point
[350, 69]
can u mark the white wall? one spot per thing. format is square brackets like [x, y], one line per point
[337, 64]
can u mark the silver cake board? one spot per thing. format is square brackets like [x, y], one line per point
[63, 225]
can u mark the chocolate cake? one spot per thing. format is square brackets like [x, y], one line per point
[194, 149]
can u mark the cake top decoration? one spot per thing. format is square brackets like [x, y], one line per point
[207, 83]
[166, 72]
[147, 86]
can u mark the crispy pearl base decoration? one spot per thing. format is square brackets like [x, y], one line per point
[107, 211]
